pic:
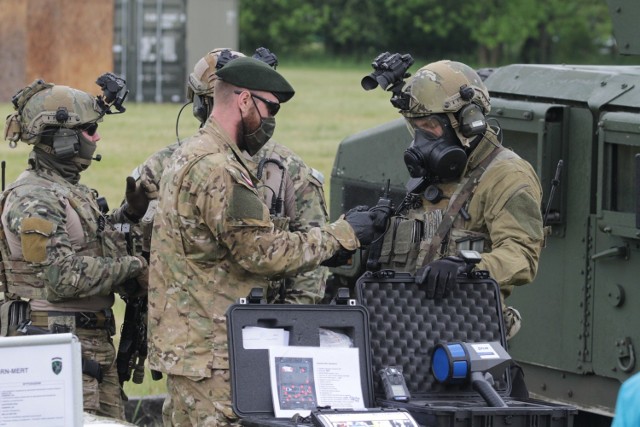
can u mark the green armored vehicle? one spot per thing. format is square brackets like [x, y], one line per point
[579, 126]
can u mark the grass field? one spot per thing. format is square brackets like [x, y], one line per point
[328, 106]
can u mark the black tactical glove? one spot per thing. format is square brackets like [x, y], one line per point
[136, 199]
[341, 257]
[382, 214]
[440, 276]
[366, 223]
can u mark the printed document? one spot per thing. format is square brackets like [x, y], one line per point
[304, 378]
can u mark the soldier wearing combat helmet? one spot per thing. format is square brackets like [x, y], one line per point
[62, 258]
[213, 241]
[469, 192]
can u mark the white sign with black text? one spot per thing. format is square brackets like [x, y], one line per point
[40, 381]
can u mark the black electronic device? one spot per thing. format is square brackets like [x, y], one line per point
[394, 385]
[114, 93]
[390, 72]
[472, 120]
[477, 363]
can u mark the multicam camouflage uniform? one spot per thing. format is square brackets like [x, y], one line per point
[303, 207]
[62, 255]
[504, 222]
[213, 242]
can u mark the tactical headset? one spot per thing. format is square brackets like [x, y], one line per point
[470, 117]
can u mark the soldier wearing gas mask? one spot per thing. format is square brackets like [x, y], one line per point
[469, 192]
[62, 258]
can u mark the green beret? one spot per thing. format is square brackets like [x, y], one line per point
[251, 73]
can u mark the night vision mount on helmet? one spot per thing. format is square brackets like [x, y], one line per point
[41, 105]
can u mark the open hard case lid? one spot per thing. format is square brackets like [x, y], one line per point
[405, 327]
[249, 368]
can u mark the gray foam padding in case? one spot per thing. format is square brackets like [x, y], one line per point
[405, 326]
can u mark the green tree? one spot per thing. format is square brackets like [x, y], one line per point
[537, 31]
[487, 33]
[284, 26]
[351, 27]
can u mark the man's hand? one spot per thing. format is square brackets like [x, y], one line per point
[341, 257]
[440, 276]
[137, 200]
[366, 223]
[143, 277]
[137, 286]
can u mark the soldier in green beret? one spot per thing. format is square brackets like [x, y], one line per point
[290, 188]
[213, 241]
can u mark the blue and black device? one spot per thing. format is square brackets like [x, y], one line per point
[477, 363]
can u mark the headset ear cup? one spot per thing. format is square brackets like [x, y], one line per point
[472, 121]
[201, 108]
[66, 143]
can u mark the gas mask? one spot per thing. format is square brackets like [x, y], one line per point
[439, 159]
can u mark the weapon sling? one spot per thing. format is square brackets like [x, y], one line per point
[454, 207]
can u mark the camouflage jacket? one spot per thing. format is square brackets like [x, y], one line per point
[56, 244]
[212, 242]
[303, 208]
[504, 221]
[307, 209]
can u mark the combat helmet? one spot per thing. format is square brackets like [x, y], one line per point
[451, 88]
[42, 105]
[201, 80]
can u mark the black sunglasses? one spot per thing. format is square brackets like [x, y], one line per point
[272, 107]
[90, 128]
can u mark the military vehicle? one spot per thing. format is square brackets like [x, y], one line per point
[580, 328]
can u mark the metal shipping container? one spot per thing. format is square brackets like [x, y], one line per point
[149, 48]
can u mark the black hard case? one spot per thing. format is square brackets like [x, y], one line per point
[249, 369]
[405, 326]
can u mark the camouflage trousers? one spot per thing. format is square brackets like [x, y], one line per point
[201, 402]
[101, 398]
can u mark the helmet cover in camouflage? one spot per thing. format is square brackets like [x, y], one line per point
[43, 104]
[201, 80]
[446, 87]
[436, 88]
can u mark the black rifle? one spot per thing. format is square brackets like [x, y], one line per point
[132, 351]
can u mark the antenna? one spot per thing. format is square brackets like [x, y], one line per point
[554, 183]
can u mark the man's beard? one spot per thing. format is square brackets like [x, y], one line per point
[247, 125]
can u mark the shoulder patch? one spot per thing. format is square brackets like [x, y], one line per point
[245, 204]
[35, 234]
[37, 225]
